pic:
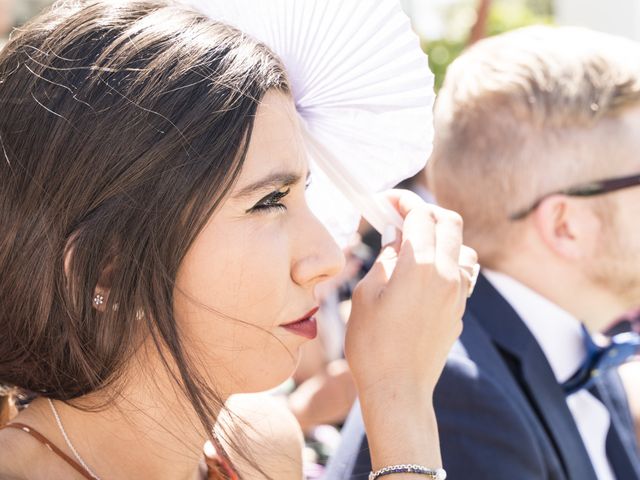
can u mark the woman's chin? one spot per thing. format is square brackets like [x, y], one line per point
[271, 380]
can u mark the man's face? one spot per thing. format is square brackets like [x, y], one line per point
[616, 263]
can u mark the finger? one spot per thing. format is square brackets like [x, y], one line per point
[391, 236]
[417, 229]
[474, 279]
[448, 236]
[415, 259]
[467, 279]
[418, 235]
[379, 274]
[402, 200]
[468, 257]
[469, 267]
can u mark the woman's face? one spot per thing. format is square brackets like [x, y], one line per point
[253, 268]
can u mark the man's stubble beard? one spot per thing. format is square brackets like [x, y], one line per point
[616, 265]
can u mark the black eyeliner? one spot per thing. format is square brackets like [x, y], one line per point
[268, 202]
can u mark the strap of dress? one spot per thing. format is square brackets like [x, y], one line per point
[219, 469]
[42, 439]
[218, 465]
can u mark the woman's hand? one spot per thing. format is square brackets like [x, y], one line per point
[406, 314]
[407, 311]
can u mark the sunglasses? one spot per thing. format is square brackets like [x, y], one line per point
[585, 190]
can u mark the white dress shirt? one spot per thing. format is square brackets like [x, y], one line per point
[560, 336]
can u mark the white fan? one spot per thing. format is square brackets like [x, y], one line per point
[363, 89]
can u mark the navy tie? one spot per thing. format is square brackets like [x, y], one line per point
[622, 348]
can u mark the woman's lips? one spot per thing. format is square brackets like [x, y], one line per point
[305, 326]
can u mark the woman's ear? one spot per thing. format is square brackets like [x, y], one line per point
[100, 294]
[103, 288]
[568, 226]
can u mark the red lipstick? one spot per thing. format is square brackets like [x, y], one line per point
[305, 326]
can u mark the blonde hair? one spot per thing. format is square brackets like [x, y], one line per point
[524, 114]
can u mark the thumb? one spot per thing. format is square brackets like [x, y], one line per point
[380, 273]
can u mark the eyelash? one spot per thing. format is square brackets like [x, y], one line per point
[269, 203]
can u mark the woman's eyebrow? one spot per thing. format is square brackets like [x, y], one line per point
[275, 180]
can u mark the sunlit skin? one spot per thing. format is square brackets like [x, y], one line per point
[256, 264]
[615, 262]
[253, 268]
[598, 256]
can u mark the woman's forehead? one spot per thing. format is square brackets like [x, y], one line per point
[276, 142]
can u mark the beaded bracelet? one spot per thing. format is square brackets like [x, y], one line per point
[437, 474]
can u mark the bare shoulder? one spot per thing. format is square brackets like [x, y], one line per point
[270, 432]
[24, 458]
[14, 454]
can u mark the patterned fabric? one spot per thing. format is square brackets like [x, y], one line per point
[622, 348]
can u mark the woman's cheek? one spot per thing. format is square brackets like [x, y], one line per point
[252, 272]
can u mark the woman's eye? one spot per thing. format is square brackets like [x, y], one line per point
[271, 201]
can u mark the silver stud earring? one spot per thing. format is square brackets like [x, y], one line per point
[98, 299]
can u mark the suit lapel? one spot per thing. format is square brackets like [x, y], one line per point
[533, 372]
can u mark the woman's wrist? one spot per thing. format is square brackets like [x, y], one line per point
[401, 429]
[408, 390]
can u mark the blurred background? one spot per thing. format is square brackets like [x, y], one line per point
[448, 26]
[13, 13]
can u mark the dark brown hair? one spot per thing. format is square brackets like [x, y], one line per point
[122, 126]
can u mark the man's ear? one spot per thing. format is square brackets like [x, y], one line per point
[568, 226]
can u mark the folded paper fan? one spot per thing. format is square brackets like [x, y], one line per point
[364, 92]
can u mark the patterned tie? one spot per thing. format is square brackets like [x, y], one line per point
[622, 348]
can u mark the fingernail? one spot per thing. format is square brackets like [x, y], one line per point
[389, 235]
[474, 279]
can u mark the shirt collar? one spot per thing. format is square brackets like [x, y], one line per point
[558, 333]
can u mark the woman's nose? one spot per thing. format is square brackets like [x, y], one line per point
[318, 256]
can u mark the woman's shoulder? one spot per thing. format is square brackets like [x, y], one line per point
[15, 453]
[22, 457]
[270, 432]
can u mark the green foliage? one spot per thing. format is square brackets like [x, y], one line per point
[504, 15]
[441, 53]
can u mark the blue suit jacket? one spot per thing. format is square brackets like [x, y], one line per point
[501, 413]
